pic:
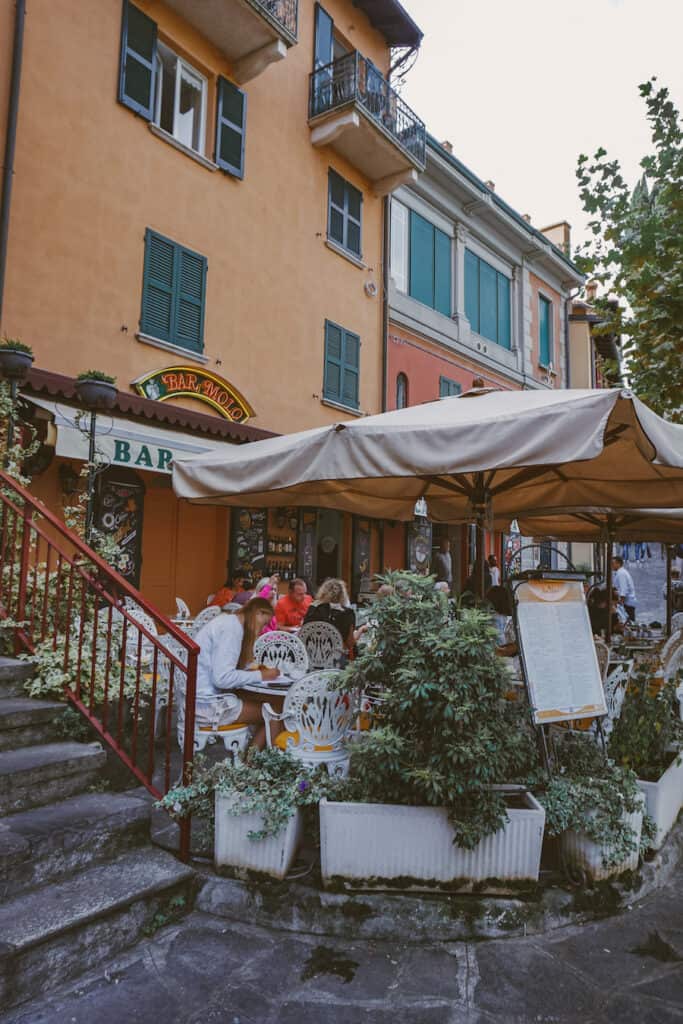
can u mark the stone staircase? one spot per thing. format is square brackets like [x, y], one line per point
[79, 879]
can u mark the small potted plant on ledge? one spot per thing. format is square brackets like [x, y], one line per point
[16, 359]
[596, 809]
[647, 738]
[427, 804]
[96, 390]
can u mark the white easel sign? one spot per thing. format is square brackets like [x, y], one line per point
[558, 652]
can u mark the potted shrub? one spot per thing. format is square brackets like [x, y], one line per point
[255, 807]
[426, 803]
[647, 738]
[96, 390]
[15, 359]
[595, 808]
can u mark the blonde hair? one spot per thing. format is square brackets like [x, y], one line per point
[333, 592]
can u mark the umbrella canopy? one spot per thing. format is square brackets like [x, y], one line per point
[603, 524]
[510, 450]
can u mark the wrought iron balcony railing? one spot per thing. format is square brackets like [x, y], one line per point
[285, 12]
[353, 79]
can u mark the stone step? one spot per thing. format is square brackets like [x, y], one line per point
[46, 844]
[25, 722]
[38, 775]
[56, 932]
[14, 675]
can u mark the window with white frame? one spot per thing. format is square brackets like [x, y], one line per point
[180, 99]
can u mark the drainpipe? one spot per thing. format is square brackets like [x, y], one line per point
[11, 140]
[385, 298]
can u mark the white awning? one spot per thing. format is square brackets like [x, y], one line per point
[139, 446]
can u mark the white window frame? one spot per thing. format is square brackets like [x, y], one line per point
[400, 245]
[181, 66]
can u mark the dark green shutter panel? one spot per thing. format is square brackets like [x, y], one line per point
[138, 57]
[189, 319]
[332, 382]
[442, 272]
[351, 369]
[421, 259]
[544, 308]
[158, 287]
[503, 311]
[231, 125]
[472, 290]
[488, 301]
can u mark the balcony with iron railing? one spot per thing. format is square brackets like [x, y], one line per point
[354, 109]
[251, 33]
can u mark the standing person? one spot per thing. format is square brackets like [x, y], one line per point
[227, 648]
[494, 570]
[443, 563]
[625, 552]
[623, 584]
[290, 611]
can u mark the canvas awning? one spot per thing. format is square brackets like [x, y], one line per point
[130, 443]
[603, 525]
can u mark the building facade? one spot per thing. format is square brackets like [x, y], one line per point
[197, 209]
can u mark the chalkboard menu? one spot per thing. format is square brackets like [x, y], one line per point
[118, 512]
[419, 547]
[248, 548]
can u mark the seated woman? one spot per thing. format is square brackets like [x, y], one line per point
[268, 589]
[227, 647]
[332, 605]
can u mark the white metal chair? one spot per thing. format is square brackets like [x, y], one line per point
[182, 609]
[318, 720]
[202, 617]
[676, 622]
[208, 712]
[324, 644]
[133, 635]
[672, 645]
[602, 651]
[282, 651]
[232, 606]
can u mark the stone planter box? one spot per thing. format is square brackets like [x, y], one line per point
[664, 799]
[234, 849]
[582, 858]
[380, 846]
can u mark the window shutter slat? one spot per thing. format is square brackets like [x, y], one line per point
[421, 259]
[138, 57]
[488, 301]
[190, 310]
[442, 272]
[503, 311]
[545, 330]
[173, 293]
[351, 366]
[472, 290]
[231, 122]
[157, 295]
[332, 381]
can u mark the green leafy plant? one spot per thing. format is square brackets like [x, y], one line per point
[269, 783]
[103, 378]
[446, 734]
[589, 794]
[648, 734]
[15, 345]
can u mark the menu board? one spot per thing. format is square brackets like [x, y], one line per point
[558, 652]
[419, 547]
[118, 512]
[248, 554]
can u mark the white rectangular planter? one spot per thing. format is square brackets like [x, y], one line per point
[233, 848]
[664, 799]
[582, 856]
[373, 845]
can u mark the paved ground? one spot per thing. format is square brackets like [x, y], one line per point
[649, 578]
[622, 970]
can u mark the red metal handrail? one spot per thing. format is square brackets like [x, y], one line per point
[62, 597]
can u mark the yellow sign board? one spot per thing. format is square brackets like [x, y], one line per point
[190, 382]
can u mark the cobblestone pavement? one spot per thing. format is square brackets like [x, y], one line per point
[622, 970]
[649, 579]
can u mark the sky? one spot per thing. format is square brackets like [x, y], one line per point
[521, 87]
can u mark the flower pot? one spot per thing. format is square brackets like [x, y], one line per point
[96, 394]
[584, 858]
[664, 799]
[234, 849]
[379, 846]
[15, 364]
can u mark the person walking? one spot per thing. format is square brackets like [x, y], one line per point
[623, 584]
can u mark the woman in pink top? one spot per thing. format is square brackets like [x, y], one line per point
[267, 588]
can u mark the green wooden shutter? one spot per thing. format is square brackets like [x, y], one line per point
[231, 124]
[503, 311]
[334, 343]
[488, 301]
[545, 330]
[137, 61]
[351, 369]
[442, 272]
[158, 287]
[189, 304]
[421, 259]
[472, 290]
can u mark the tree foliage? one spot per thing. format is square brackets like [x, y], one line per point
[635, 252]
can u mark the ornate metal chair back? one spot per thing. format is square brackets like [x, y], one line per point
[323, 643]
[321, 715]
[283, 651]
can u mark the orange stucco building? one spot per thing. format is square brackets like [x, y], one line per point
[197, 209]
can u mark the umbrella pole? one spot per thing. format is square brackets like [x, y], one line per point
[608, 578]
[669, 595]
[479, 560]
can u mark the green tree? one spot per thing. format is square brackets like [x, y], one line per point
[635, 252]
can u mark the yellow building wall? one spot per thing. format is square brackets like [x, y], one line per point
[90, 177]
[580, 350]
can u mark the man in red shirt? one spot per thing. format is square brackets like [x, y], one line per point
[291, 609]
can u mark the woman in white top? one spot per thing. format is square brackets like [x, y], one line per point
[226, 648]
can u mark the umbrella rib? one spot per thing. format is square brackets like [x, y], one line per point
[525, 474]
[439, 481]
